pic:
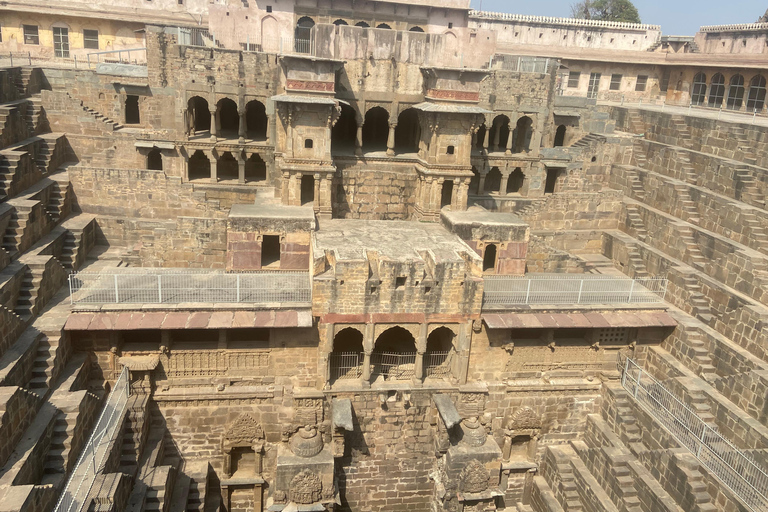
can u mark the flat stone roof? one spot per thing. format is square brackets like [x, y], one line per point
[478, 224]
[392, 240]
[272, 211]
[477, 216]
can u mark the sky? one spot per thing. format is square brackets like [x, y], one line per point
[676, 17]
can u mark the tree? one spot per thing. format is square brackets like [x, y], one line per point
[606, 10]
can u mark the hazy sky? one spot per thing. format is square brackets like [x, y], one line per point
[676, 17]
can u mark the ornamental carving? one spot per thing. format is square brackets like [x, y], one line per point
[474, 478]
[306, 488]
[245, 429]
[524, 419]
[309, 85]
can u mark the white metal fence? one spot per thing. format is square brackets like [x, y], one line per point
[523, 64]
[731, 466]
[173, 287]
[572, 289]
[95, 452]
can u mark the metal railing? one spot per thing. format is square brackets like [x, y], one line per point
[346, 365]
[393, 366]
[290, 45]
[437, 364]
[522, 64]
[177, 286]
[93, 457]
[135, 56]
[572, 289]
[734, 468]
[197, 37]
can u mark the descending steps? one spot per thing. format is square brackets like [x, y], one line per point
[42, 371]
[699, 305]
[747, 189]
[58, 453]
[26, 303]
[587, 140]
[636, 222]
[695, 256]
[113, 125]
[637, 264]
[690, 212]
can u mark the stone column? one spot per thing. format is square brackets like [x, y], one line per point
[455, 194]
[240, 166]
[461, 203]
[462, 348]
[481, 183]
[359, 140]
[269, 130]
[418, 369]
[316, 193]
[485, 141]
[391, 140]
[214, 158]
[213, 125]
[367, 349]
[284, 188]
[329, 328]
[241, 127]
[504, 180]
[324, 201]
[509, 142]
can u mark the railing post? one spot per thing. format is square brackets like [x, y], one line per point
[528, 292]
[637, 381]
[238, 287]
[159, 289]
[631, 289]
[701, 442]
[71, 296]
[581, 287]
[117, 297]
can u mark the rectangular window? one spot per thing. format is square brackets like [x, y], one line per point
[30, 34]
[615, 82]
[642, 80]
[573, 79]
[594, 84]
[91, 39]
[61, 42]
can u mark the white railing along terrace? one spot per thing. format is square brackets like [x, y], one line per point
[572, 289]
[93, 457]
[734, 468]
[174, 286]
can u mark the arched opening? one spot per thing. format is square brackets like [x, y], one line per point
[493, 180]
[199, 166]
[362, 24]
[716, 90]
[394, 355]
[474, 182]
[699, 89]
[307, 189]
[523, 135]
[560, 136]
[480, 137]
[407, 132]
[550, 186]
[255, 168]
[199, 115]
[228, 118]
[415, 29]
[384, 26]
[446, 193]
[489, 258]
[340, 22]
[226, 167]
[515, 181]
[256, 120]
[302, 34]
[346, 359]
[437, 359]
[375, 129]
[756, 98]
[735, 93]
[344, 132]
[499, 132]
[132, 109]
[155, 160]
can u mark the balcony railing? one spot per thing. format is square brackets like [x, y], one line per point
[349, 365]
[176, 286]
[737, 470]
[523, 64]
[571, 289]
[93, 457]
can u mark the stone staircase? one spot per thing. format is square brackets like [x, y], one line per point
[688, 207]
[695, 258]
[134, 434]
[42, 371]
[61, 443]
[699, 305]
[635, 184]
[26, 303]
[588, 140]
[636, 262]
[747, 189]
[111, 124]
[636, 222]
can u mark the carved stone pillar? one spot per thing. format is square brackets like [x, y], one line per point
[455, 194]
[316, 192]
[240, 166]
[504, 180]
[485, 141]
[366, 378]
[214, 157]
[213, 125]
[241, 127]
[463, 195]
[359, 140]
[418, 369]
[510, 141]
[269, 130]
[481, 183]
[391, 140]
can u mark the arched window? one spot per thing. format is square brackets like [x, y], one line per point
[407, 132]
[560, 136]
[499, 133]
[375, 129]
[735, 93]
[716, 90]
[437, 359]
[256, 120]
[340, 22]
[699, 89]
[489, 258]
[255, 168]
[344, 132]
[303, 34]
[226, 167]
[155, 160]
[346, 359]
[227, 117]
[384, 26]
[493, 180]
[198, 115]
[199, 166]
[415, 29]
[446, 194]
[756, 98]
[307, 189]
[515, 181]
[523, 132]
[394, 355]
[362, 24]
